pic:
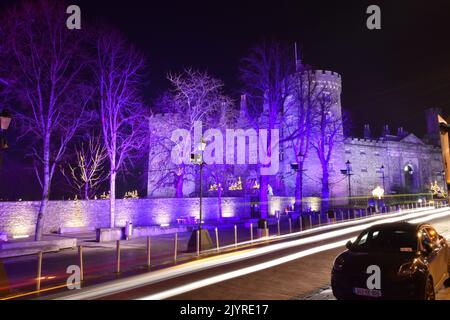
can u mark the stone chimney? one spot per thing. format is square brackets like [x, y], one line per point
[431, 116]
[401, 132]
[385, 131]
[243, 110]
[367, 134]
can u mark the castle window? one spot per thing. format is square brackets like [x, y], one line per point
[348, 151]
[363, 169]
[330, 167]
[362, 152]
[377, 153]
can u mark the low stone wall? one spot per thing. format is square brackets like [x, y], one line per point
[19, 218]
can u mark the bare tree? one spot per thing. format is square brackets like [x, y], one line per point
[298, 119]
[328, 128]
[118, 72]
[88, 172]
[265, 72]
[220, 175]
[196, 96]
[47, 63]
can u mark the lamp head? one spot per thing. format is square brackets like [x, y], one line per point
[5, 119]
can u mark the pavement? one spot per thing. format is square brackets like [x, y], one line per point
[295, 269]
[100, 258]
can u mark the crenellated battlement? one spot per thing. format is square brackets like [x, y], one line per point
[365, 141]
[327, 73]
[328, 79]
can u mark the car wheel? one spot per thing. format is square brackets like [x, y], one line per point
[429, 290]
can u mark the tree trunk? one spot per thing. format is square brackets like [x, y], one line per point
[325, 189]
[263, 198]
[179, 186]
[219, 202]
[86, 191]
[45, 190]
[112, 198]
[298, 189]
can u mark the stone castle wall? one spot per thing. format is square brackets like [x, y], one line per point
[20, 217]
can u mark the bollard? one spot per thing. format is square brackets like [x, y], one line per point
[300, 223]
[39, 272]
[175, 249]
[340, 211]
[290, 225]
[251, 232]
[235, 236]
[217, 238]
[310, 222]
[265, 228]
[198, 243]
[320, 219]
[80, 254]
[148, 252]
[118, 256]
[278, 227]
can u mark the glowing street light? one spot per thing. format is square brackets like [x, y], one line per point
[378, 192]
[5, 119]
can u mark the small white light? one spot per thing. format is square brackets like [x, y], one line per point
[21, 236]
[164, 225]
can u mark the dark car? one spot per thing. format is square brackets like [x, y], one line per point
[392, 261]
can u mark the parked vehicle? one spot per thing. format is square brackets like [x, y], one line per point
[392, 261]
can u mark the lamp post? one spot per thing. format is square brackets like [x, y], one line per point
[347, 172]
[299, 175]
[382, 176]
[200, 234]
[5, 120]
[201, 147]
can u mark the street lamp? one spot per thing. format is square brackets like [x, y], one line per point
[295, 167]
[5, 121]
[197, 158]
[347, 172]
[201, 147]
[382, 176]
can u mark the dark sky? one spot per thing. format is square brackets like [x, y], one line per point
[389, 75]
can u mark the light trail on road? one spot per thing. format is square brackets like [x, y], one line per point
[261, 266]
[195, 266]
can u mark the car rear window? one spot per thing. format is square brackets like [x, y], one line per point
[387, 240]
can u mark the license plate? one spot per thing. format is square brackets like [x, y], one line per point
[367, 292]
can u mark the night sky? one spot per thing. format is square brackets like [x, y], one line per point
[389, 76]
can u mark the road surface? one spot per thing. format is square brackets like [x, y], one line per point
[295, 269]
